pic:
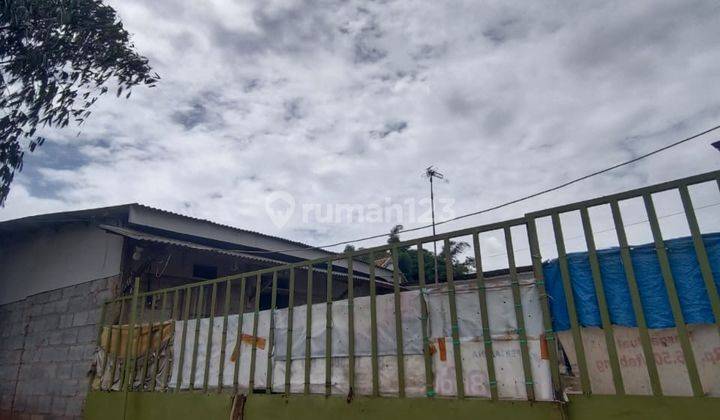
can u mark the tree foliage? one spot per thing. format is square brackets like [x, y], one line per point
[56, 58]
[408, 263]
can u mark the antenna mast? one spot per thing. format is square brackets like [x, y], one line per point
[431, 173]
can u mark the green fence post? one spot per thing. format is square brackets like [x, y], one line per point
[519, 315]
[485, 319]
[175, 310]
[701, 253]
[636, 302]
[328, 330]
[351, 326]
[130, 359]
[271, 339]
[289, 337]
[373, 328]
[153, 378]
[145, 365]
[429, 379]
[238, 338]
[199, 309]
[550, 336]
[602, 303]
[116, 347]
[400, 353]
[687, 349]
[211, 327]
[454, 327]
[308, 328]
[101, 325]
[223, 340]
[570, 299]
[187, 296]
[256, 316]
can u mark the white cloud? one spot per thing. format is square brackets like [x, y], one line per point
[505, 99]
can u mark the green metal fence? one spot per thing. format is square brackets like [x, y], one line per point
[126, 316]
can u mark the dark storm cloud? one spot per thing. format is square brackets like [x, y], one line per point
[293, 109]
[190, 118]
[390, 128]
[301, 28]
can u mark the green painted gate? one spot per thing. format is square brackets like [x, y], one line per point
[127, 316]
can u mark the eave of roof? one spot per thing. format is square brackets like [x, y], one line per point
[291, 243]
[86, 215]
[149, 237]
[122, 210]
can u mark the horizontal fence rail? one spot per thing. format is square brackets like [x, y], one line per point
[147, 340]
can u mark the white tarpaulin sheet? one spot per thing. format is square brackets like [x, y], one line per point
[503, 326]
[215, 350]
[669, 359]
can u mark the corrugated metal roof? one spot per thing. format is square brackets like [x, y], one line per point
[123, 210]
[150, 237]
[197, 219]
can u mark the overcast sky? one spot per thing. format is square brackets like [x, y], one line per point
[347, 102]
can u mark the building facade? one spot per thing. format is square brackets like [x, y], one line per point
[57, 269]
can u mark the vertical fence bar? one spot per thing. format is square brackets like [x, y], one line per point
[701, 253]
[211, 327]
[223, 340]
[519, 315]
[351, 325]
[156, 361]
[151, 324]
[144, 370]
[398, 324]
[256, 316]
[550, 336]
[328, 329]
[168, 365]
[136, 345]
[308, 328]
[116, 347]
[271, 339]
[129, 357]
[454, 327]
[101, 325]
[570, 300]
[635, 296]
[607, 326]
[429, 380]
[485, 319]
[198, 317]
[373, 328]
[238, 338]
[187, 296]
[687, 349]
[289, 336]
[126, 347]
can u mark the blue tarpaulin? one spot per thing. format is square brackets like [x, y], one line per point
[689, 283]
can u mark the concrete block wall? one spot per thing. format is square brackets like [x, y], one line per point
[47, 343]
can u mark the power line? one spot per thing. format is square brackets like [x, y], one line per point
[606, 230]
[511, 202]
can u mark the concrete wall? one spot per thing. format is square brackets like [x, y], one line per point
[47, 343]
[39, 261]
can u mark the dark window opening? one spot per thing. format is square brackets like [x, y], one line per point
[204, 271]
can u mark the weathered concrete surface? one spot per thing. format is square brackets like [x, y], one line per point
[47, 343]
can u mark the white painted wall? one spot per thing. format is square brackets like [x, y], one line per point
[53, 258]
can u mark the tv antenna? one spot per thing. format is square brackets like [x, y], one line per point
[431, 173]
